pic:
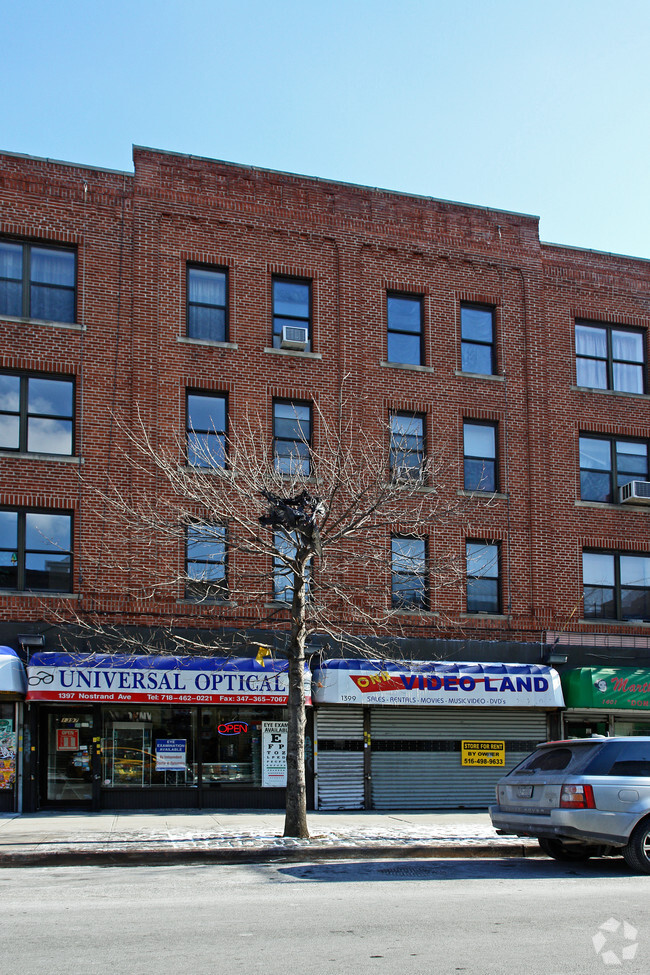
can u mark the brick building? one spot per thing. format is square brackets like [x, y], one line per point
[164, 293]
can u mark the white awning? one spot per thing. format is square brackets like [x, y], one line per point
[12, 673]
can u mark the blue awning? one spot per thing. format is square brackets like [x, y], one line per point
[13, 680]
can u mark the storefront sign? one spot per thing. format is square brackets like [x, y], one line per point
[12, 674]
[7, 754]
[433, 683]
[67, 740]
[171, 754]
[233, 728]
[627, 688]
[274, 754]
[483, 752]
[148, 679]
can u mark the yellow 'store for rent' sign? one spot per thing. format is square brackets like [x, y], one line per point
[483, 752]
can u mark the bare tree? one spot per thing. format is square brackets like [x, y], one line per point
[306, 523]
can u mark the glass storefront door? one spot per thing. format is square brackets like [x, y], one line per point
[69, 746]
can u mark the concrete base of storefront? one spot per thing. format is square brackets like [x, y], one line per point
[236, 836]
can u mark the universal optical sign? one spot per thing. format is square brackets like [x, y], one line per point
[69, 680]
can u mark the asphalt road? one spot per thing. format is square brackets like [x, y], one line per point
[412, 917]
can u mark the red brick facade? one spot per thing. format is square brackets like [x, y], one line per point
[135, 234]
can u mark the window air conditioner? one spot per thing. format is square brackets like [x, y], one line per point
[294, 337]
[635, 492]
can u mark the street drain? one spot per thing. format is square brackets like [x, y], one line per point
[408, 871]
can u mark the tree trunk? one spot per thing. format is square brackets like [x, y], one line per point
[295, 823]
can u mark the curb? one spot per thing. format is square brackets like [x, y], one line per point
[161, 857]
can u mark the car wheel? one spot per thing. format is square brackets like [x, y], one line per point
[567, 851]
[637, 850]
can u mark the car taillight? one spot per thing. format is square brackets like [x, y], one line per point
[577, 797]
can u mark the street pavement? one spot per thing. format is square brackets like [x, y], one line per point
[231, 836]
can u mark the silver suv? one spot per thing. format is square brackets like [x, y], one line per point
[581, 798]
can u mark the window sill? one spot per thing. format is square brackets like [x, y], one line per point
[71, 326]
[484, 616]
[33, 594]
[594, 621]
[33, 455]
[608, 392]
[406, 365]
[612, 505]
[206, 602]
[488, 495]
[295, 353]
[278, 604]
[480, 375]
[186, 340]
[413, 485]
[415, 612]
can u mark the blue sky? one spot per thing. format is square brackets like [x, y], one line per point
[538, 107]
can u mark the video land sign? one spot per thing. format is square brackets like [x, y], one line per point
[483, 752]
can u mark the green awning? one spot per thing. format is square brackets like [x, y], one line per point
[607, 687]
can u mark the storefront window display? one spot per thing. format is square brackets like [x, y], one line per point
[69, 746]
[231, 743]
[7, 746]
[151, 747]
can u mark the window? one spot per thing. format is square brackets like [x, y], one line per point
[477, 339]
[406, 445]
[404, 316]
[609, 358]
[205, 561]
[616, 587]
[283, 574]
[479, 455]
[483, 590]
[606, 464]
[35, 551]
[206, 430]
[291, 306]
[36, 414]
[207, 303]
[409, 576]
[291, 437]
[37, 282]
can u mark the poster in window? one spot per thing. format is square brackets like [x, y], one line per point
[274, 754]
[7, 754]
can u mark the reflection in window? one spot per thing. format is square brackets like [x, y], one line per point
[35, 551]
[606, 464]
[283, 567]
[406, 445]
[37, 282]
[404, 315]
[616, 586]
[291, 306]
[206, 430]
[609, 358]
[207, 304]
[477, 339]
[205, 563]
[291, 437]
[483, 590]
[479, 456]
[409, 575]
[36, 414]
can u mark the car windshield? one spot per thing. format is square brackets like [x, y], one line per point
[560, 758]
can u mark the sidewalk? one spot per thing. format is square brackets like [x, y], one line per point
[235, 836]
